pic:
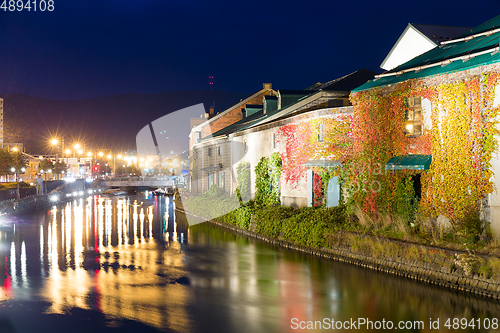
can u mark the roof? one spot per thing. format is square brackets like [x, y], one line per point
[450, 56]
[259, 117]
[347, 82]
[433, 35]
[237, 126]
[254, 106]
[439, 33]
[241, 103]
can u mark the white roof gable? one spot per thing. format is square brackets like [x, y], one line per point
[417, 39]
[410, 44]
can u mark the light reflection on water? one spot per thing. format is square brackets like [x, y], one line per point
[133, 260]
[99, 254]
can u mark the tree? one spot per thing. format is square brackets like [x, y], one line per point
[46, 164]
[5, 162]
[60, 168]
[18, 160]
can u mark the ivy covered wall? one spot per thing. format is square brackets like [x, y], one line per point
[461, 141]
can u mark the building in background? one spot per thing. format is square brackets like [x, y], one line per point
[259, 133]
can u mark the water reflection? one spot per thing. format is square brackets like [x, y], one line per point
[134, 260]
[119, 256]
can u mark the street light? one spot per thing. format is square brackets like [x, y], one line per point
[17, 180]
[55, 143]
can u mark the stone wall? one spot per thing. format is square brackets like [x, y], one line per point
[443, 272]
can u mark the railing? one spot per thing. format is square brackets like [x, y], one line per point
[140, 181]
[31, 202]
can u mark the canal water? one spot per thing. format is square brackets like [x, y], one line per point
[132, 264]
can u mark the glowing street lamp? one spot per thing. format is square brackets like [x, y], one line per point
[23, 170]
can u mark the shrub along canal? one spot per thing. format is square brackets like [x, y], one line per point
[132, 264]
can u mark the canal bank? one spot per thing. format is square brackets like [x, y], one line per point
[457, 270]
[61, 193]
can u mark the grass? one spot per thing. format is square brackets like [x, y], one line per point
[322, 227]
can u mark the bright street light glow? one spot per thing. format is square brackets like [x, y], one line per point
[77, 146]
[89, 154]
[119, 156]
[109, 156]
[100, 154]
[14, 149]
[80, 151]
[68, 151]
[54, 142]
[13, 170]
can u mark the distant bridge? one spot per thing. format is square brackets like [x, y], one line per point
[140, 182]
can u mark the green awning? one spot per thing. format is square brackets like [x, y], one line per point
[409, 162]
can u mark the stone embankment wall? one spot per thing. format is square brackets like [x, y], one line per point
[443, 267]
[35, 202]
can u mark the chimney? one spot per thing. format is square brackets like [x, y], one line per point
[267, 86]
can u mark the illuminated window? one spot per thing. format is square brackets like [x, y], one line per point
[413, 116]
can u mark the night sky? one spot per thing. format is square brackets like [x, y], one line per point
[88, 48]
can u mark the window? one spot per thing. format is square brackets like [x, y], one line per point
[274, 140]
[246, 146]
[220, 179]
[209, 151]
[195, 155]
[413, 116]
[321, 133]
[218, 150]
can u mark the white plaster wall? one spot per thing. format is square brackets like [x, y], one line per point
[259, 145]
[494, 198]
[426, 113]
[411, 45]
